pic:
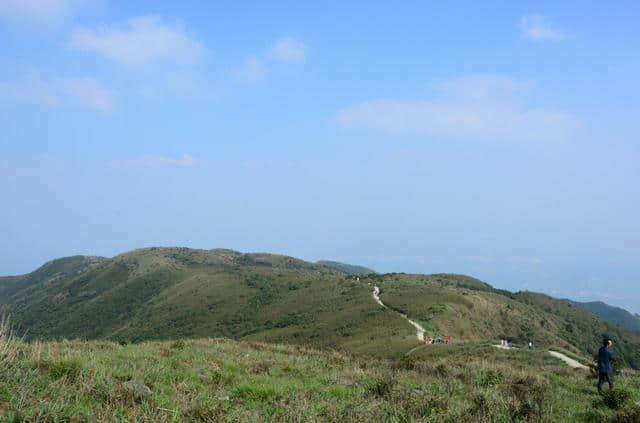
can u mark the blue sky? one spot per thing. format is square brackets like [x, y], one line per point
[497, 139]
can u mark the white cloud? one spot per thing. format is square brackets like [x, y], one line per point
[179, 83]
[145, 40]
[285, 50]
[470, 107]
[252, 70]
[289, 50]
[45, 12]
[539, 28]
[157, 161]
[57, 92]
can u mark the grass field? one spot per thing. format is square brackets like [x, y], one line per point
[211, 380]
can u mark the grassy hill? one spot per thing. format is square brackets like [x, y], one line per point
[469, 309]
[49, 273]
[614, 315]
[349, 269]
[170, 293]
[214, 380]
[175, 293]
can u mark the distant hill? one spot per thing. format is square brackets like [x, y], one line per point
[614, 315]
[468, 309]
[349, 269]
[171, 293]
[48, 273]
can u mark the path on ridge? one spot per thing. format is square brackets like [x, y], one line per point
[420, 334]
[419, 329]
[574, 364]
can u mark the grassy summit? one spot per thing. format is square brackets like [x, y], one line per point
[176, 293]
[212, 380]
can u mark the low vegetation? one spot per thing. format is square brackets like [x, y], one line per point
[212, 380]
[468, 309]
[173, 334]
[615, 315]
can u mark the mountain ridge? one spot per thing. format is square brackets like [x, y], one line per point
[613, 314]
[160, 293]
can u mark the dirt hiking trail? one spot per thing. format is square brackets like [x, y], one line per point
[574, 364]
[570, 361]
[419, 329]
[420, 334]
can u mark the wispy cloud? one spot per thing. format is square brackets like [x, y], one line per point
[41, 12]
[144, 41]
[57, 92]
[157, 161]
[289, 50]
[470, 107]
[252, 70]
[286, 50]
[539, 28]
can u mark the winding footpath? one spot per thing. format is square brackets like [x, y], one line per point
[570, 361]
[420, 334]
[419, 329]
[574, 364]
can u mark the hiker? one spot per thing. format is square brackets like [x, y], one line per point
[530, 345]
[605, 367]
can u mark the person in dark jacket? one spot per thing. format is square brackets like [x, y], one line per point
[605, 365]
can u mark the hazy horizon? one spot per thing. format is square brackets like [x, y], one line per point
[495, 140]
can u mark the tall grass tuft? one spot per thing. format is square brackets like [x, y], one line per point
[9, 344]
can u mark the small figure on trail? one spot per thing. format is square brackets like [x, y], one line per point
[605, 367]
[530, 345]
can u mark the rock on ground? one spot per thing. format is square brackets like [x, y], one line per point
[137, 388]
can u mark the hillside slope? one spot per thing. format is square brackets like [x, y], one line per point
[614, 315]
[212, 380]
[171, 293]
[48, 273]
[468, 309]
[168, 293]
[349, 269]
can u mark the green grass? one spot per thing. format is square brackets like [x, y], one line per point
[177, 293]
[469, 310]
[170, 293]
[211, 380]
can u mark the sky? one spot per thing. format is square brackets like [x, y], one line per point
[497, 139]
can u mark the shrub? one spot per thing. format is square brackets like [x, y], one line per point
[70, 369]
[419, 405]
[442, 370]
[490, 377]
[261, 367]
[530, 395]
[615, 398]
[207, 411]
[480, 405]
[627, 415]
[178, 345]
[406, 362]
[380, 386]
